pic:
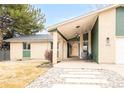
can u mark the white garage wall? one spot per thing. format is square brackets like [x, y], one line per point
[120, 50]
[38, 50]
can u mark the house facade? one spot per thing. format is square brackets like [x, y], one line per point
[105, 35]
[98, 36]
[30, 47]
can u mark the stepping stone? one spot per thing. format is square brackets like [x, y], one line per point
[79, 80]
[77, 69]
[84, 72]
[74, 86]
[73, 70]
[77, 76]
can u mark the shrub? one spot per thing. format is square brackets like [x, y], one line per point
[48, 55]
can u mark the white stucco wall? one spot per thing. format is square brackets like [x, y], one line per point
[16, 51]
[38, 50]
[107, 22]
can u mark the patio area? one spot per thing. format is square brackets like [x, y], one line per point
[81, 74]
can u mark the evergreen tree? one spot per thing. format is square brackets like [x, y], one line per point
[22, 19]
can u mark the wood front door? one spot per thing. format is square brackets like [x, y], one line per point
[74, 49]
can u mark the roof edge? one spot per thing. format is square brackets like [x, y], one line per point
[54, 26]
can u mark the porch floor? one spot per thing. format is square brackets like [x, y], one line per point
[76, 60]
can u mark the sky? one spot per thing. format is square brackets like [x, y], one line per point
[55, 13]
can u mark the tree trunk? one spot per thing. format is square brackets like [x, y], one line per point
[1, 39]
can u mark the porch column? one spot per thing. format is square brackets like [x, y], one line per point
[62, 53]
[55, 40]
[89, 42]
[81, 45]
[65, 50]
[61, 49]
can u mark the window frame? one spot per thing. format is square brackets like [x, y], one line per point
[27, 46]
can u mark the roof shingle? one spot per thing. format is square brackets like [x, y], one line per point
[31, 38]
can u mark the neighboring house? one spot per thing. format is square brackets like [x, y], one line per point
[98, 35]
[30, 47]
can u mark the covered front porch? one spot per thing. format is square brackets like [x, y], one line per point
[76, 38]
[78, 48]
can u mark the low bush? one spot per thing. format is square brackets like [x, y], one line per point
[48, 55]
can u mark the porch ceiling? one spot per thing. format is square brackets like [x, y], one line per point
[70, 28]
[82, 25]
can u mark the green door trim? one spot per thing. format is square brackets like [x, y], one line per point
[120, 21]
[26, 53]
[95, 42]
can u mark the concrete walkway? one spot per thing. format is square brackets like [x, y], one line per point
[81, 74]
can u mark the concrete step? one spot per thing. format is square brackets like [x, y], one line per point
[74, 86]
[75, 80]
[86, 72]
[77, 76]
[76, 69]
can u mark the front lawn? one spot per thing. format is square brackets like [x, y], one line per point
[19, 74]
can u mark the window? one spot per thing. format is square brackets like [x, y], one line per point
[26, 46]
